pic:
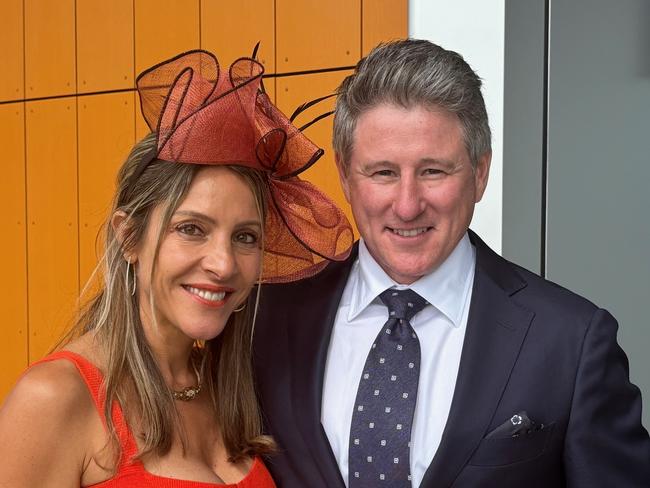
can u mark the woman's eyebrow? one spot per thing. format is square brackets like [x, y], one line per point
[247, 223]
[195, 215]
[201, 216]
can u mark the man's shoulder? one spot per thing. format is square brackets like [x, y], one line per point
[529, 289]
[553, 294]
[562, 311]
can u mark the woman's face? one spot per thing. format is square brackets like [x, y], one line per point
[209, 257]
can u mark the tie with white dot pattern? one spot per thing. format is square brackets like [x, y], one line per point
[380, 435]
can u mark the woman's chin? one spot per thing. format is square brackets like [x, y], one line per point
[202, 331]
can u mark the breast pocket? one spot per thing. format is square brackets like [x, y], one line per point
[501, 451]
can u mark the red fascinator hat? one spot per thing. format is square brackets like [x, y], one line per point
[203, 115]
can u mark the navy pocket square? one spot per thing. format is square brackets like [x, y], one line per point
[505, 449]
[515, 426]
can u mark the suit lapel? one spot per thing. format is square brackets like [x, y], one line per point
[496, 329]
[311, 327]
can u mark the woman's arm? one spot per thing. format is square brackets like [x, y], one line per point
[45, 429]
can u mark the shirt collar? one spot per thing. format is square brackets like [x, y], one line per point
[445, 288]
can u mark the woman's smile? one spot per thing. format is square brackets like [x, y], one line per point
[209, 295]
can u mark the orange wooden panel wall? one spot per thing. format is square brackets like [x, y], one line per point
[69, 114]
[383, 20]
[232, 33]
[52, 242]
[13, 286]
[164, 28]
[11, 40]
[106, 134]
[104, 44]
[49, 48]
[312, 34]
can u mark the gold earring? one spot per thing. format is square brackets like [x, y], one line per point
[241, 307]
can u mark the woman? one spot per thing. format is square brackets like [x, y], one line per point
[153, 386]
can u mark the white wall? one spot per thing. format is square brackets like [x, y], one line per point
[475, 29]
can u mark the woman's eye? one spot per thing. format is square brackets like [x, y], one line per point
[189, 229]
[246, 238]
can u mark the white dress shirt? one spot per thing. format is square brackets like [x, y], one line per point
[440, 327]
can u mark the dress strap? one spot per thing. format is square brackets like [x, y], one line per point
[94, 380]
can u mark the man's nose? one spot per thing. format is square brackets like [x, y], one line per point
[408, 202]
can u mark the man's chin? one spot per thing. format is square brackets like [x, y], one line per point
[405, 273]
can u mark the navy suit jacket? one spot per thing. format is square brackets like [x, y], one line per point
[530, 345]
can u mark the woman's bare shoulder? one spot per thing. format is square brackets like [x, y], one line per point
[51, 392]
[44, 426]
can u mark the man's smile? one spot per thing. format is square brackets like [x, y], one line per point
[409, 232]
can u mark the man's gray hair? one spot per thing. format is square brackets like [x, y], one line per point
[409, 73]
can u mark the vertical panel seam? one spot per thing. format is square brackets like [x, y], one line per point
[361, 47]
[135, 97]
[76, 104]
[275, 49]
[545, 142]
[25, 216]
[200, 24]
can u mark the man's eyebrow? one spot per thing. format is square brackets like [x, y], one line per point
[370, 165]
[446, 162]
[382, 163]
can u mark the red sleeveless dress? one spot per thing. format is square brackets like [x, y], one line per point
[131, 473]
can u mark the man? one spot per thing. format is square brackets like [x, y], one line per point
[519, 382]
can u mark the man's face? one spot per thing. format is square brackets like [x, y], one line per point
[411, 186]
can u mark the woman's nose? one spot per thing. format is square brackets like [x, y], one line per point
[220, 260]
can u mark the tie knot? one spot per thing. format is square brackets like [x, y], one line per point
[402, 304]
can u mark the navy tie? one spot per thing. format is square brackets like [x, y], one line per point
[380, 435]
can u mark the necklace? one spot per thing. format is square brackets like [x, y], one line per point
[189, 392]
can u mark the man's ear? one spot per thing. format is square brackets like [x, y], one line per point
[481, 174]
[119, 223]
[343, 176]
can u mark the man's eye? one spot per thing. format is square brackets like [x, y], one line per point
[383, 172]
[432, 172]
[189, 229]
[246, 238]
